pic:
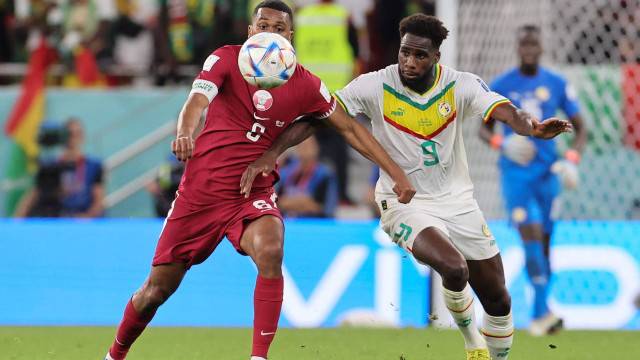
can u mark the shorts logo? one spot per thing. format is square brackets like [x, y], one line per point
[262, 100]
[485, 230]
[279, 123]
[383, 203]
[519, 215]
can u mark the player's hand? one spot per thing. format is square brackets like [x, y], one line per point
[182, 147]
[404, 190]
[550, 128]
[519, 149]
[567, 172]
[265, 164]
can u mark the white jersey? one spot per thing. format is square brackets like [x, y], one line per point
[423, 132]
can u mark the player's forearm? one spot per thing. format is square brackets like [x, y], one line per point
[189, 117]
[363, 141]
[519, 120]
[292, 136]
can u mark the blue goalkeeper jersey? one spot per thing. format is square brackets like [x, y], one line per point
[541, 95]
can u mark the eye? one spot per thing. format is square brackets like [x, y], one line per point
[280, 30]
[262, 26]
[421, 56]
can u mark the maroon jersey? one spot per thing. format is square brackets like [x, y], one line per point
[242, 122]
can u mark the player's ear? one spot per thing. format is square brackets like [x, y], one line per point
[249, 29]
[437, 57]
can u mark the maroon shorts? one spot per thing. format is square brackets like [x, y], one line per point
[191, 233]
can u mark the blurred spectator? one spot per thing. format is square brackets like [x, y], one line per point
[34, 20]
[370, 196]
[164, 187]
[85, 44]
[6, 41]
[69, 186]
[326, 43]
[184, 35]
[133, 48]
[307, 188]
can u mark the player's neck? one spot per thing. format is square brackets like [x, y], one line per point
[421, 85]
[529, 70]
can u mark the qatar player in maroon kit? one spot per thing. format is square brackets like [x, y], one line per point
[242, 122]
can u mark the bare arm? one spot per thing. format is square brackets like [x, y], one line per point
[526, 124]
[188, 121]
[292, 136]
[363, 141]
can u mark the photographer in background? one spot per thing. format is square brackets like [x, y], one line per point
[164, 187]
[69, 185]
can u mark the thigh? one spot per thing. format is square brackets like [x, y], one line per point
[518, 199]
[546, 195]
[404, 222]
[257, 217]
[471, 235]
[190, 233]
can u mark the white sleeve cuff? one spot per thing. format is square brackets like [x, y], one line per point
[204, 87]
[328, 113]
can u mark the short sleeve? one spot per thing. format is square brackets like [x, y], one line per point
[353, 97]
[569, 102]
[214, 72]
[318, 100]
[478, 99]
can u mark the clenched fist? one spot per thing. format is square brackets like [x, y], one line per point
[182, 147]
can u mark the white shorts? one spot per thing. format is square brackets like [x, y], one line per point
[468, 231]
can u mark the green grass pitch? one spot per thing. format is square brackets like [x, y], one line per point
[159, 343]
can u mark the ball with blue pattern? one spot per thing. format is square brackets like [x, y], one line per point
[267, 60]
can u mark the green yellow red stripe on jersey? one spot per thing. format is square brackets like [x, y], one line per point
[424, 121]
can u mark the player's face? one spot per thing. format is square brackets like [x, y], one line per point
[416, 57]
[530, 49]
[270, 20]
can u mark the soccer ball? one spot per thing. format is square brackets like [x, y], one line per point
[267, 60]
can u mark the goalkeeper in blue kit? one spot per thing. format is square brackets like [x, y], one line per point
[531, 170]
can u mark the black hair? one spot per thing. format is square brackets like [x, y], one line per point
[424, 26]
[275, 5]
[528, 29]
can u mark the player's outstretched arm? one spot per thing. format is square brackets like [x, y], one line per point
[363, 141]
[526, 124]
[266, 163]
[188, 121]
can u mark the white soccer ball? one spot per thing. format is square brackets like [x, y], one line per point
[267, 60]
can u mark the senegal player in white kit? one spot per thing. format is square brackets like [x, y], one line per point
[417, 109]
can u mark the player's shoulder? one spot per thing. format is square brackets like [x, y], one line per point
[227, 49]
[464, 79]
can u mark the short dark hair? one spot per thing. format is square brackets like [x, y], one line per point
[424, 26]
[275, 5]
[528, 29]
